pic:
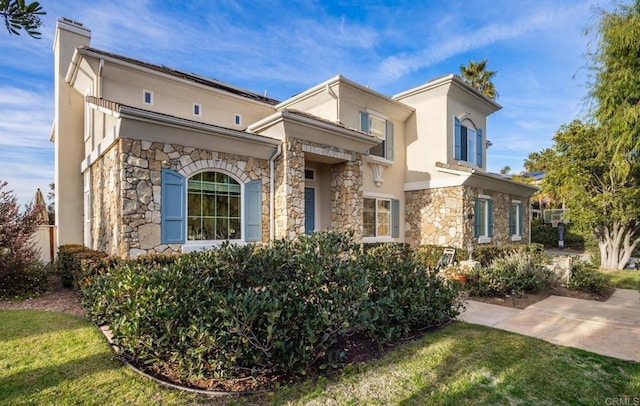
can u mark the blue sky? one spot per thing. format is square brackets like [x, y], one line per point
[286, 47]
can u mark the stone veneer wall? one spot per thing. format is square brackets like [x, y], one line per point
[139, 199]
[105, 198]
[438, 216]
[435, 216]
[347, 197]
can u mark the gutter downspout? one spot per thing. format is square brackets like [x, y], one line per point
[331, 93]
[272, 198]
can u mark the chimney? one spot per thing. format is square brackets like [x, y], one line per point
[68, 132]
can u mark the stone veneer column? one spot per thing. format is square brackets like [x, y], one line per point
[289, 210]
[347, 197]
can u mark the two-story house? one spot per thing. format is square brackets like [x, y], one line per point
[152, 159]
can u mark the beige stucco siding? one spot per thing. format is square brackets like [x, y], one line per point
[126, 86]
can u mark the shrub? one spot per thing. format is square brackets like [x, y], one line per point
[517, 271]
[69, 260]
[486, 254]
[403, 295]
[588, 279]
[546, 235]
[20, 271]
[429, 255]
[281, 307]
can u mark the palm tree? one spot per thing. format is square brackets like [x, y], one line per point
[505, 170]
[477, 75]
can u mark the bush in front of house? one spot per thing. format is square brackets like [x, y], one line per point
[429, 255]
[403, 295]
[587, 279]
[282, 307]
[518, 271]
[21, 273]
[486, 254]
[68, 263]
[547, 235]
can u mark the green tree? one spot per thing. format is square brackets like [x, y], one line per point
[582, 171]
[505, 170]
[19, 15]
[477, 75]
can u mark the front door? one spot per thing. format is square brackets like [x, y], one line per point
[309, 210]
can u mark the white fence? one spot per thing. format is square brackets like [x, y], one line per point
[44, 239]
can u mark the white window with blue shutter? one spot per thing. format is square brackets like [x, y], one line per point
[516, 222]
[382, 129]
[380, 219]
[208, 207]
[467, 142]
[483, 219]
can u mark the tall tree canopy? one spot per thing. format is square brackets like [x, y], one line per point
[581, 170]
[477, 75]
[616, 86]
[19, 15]
[595, 166]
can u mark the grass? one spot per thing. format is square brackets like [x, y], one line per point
[51, 358]
[626, 279]
[55, 359]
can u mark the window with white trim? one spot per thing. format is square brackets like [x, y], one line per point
[483, 219]
[213, 207]
[197, 109]
[376, 217]
[381, 129]
[147, 97]
[515, 220]
[467, 141]
[237, 119]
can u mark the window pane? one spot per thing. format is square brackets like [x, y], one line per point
[463, 143]
[377, 126]
[384, 218]
[378, 150]
[213, 203]
[482, 216]
[369, 218]
[471, 142]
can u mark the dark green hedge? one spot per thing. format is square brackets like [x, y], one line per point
[546, 235]
[282, 307]
[68, 263]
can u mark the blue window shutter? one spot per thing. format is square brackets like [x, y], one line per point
[521, 219]
[172, 207]
[479, 147]
[253, 210]
[389, 141]
[476, 219]
[512, 218]
[364, 122]
[457, 151]
[490, 217]
[395, 218]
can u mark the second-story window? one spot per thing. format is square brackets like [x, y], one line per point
[467, 143]
[147, 97]
[197, 109]
[380, 128]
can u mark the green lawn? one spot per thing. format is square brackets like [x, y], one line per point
[624, 279]
[50, 358]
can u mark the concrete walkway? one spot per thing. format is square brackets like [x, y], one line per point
[609, 328]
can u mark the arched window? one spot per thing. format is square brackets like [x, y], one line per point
[213, 207]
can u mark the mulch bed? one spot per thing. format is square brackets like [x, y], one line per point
[522, 301]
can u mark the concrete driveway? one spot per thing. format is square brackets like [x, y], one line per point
[609, 328]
